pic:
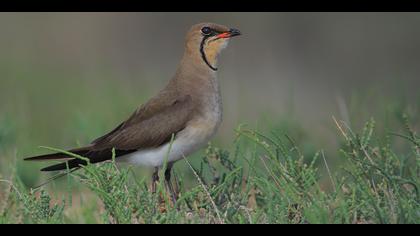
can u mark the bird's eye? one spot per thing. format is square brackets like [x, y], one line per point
[206, 30]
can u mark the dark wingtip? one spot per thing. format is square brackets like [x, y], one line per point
[58, 156]
[71, 164]
[37, 158]
[57, 167]
[46, 169]
[49, 157]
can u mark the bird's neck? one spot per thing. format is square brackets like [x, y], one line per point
[196, 78]
[209, 57]
[205, 58]
[193, 65]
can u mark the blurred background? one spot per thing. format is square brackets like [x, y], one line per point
[66, 78]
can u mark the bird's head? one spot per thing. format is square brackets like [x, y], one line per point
[205, 41]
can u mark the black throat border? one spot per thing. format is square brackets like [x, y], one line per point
[203, 54]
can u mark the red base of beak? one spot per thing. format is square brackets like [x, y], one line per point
[224, 35]
[231, 33]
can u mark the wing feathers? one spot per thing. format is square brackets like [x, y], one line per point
[150, 126]
[149, 131]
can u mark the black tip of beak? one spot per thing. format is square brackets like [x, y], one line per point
[234, 32]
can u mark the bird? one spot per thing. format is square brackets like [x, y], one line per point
[176, 122]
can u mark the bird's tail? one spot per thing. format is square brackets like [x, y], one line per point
[69, 160]
[60, 156]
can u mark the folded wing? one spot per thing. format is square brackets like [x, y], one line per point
[150, 126]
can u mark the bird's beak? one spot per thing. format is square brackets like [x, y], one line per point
[229, 34]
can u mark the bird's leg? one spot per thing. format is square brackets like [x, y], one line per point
[174, 194]
[155, 179]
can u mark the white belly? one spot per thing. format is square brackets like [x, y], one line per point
[186, 142]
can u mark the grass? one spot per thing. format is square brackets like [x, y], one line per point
[265, 177]
[280, 172]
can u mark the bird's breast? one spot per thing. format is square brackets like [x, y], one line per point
[212, 112]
